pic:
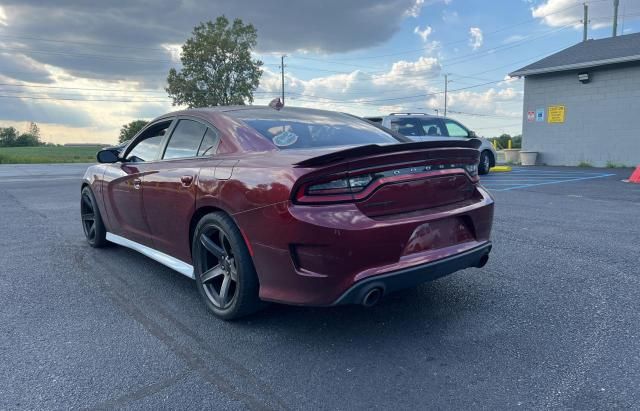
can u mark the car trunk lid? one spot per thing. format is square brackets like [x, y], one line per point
[394, 179]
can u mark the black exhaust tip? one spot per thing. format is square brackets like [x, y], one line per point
[483, 261]
[372, 297]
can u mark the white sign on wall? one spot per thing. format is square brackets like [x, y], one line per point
[530, 116]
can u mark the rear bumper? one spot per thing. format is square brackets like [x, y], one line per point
[411, 277]
[309, 255]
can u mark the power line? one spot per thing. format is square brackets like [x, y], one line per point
[491, 51]
[446, 87]
[164, 50]
[424, 94]
[282, 66]
[108, 90]
[73, 99]
[86, 43]
[499, 127]
[452, 60]
[413, 74]
[81, 88]
[86, 55]
[94, 97]
[461, 41]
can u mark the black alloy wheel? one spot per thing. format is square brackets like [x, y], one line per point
[220, 273]
[223, 267]
[92, 225]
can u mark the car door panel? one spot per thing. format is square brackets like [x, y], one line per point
[169, 200]
[170, 191]
[123, 185]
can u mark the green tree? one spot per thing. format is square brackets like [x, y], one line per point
[8, 137]
[517, 141]
[217, 68]
[27, 140]
[128, 131]
[503, 141]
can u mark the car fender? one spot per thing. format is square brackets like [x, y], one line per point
[94, 178]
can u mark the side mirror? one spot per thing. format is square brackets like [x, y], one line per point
[472, 134]
[108, 155]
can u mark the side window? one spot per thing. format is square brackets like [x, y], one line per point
[185, 140]
[456, 130]
[433, 127]
[410, 127]
[209, 143]
[148, 146]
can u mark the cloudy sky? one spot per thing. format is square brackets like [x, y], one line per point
[81, 69]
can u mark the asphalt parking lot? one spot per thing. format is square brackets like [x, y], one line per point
[553, 320]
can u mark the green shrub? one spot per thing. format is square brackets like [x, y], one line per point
[611, 164]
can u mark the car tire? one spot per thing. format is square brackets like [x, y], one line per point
[485, 162]
[223, 265]
[92, 224]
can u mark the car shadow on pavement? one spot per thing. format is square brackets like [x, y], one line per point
[431, 306]
[428, 304]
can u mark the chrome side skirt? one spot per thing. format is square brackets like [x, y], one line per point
[162, 258]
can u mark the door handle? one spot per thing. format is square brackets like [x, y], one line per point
[186, 180]
[137, 183]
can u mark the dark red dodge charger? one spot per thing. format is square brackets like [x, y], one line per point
[295, 206]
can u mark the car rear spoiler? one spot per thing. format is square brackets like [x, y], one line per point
[375, 149]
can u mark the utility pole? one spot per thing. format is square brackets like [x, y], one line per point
[585, 21]
[616, 3]
[282, 72]
[446, 85]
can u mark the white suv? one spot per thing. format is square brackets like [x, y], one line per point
[424, 127]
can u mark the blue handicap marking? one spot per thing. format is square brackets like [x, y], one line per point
[521, 178]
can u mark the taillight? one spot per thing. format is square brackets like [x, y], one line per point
[341, 185]
[472, 169]
[359, 186]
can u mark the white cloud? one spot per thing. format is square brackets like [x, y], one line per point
[3, 17]
[363, 94]
[556, 13]
[508, 80]
[474, 101]
[358, 92]
[416, 8]
[74, 113]
[174, 51]
[475, 38]
[450, 16]
[424, 34]
[513, 38]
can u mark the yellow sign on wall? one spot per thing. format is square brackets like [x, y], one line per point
[555, 114]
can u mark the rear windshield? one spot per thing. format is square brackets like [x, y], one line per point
[313, 128]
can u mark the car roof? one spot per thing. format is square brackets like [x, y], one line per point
[409, 115]
[251, 110]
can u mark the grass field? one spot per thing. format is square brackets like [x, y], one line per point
[33, 155]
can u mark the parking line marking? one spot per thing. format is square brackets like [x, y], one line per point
[519, 170]
[514, 178]
[20, 180]
[555, 182]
